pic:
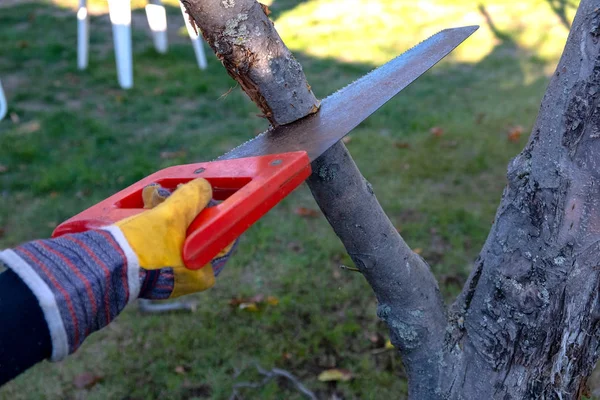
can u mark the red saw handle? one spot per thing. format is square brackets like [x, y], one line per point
[250, 187]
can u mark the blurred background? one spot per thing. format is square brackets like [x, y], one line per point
[436, 156]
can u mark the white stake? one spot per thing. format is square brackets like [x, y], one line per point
[3, 105]
[120, 17]
[196, 40]
[157, 19]
[82, 35]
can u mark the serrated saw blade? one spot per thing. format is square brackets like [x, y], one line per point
[345, 109]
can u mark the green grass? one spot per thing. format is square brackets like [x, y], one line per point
[79, 138]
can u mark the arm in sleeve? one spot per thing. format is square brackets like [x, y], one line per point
[24, 336]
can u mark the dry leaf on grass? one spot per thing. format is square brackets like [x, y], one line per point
[402, 145]
[306, 212]
[335, 375]
[514, 134]
[87, 380]
[254, 303]
[436, 131]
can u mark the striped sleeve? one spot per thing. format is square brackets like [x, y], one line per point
[81, 281]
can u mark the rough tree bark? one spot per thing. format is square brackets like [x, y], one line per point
[527, 322]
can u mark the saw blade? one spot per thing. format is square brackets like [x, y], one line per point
[345, 109]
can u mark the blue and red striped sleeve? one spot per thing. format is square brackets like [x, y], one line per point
[81, 281]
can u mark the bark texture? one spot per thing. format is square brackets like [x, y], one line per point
[407, 293]
[245, 40]
[526, 325]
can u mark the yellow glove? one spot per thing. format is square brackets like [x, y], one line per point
[156, 237]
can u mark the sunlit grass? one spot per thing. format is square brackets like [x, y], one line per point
[370, 31]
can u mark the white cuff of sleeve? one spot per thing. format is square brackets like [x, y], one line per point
[133, 263]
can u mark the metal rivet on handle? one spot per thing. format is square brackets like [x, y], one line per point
[276, 162]
[199, 170]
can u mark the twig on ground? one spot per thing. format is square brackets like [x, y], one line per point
[149, 307]
[268, 376]
[347, 268]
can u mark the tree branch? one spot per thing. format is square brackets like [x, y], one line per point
[407, 293]
[409, 300]
[246, 42]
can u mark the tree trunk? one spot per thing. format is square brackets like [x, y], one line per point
[531, 307]
[526, 324]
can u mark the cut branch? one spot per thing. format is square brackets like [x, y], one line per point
[246, 42]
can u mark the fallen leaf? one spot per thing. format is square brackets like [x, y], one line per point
[388, 344]
[334, 375]
[180, 369]
[87, 380]
[158, 91]
[3, 168]
[418, 250]
[402, 145]
[514, 134]
[22, 44]
[436, 131]
[272, 300]
[2, 231]
[347, 139]
[252, 307]
[165, 155]
[29, 127]
[254, 303]
[14, 117]
[306, 212]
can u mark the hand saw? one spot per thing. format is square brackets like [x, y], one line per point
[252, 178]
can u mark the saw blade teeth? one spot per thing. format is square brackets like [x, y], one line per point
[454, 38]
[243, 144]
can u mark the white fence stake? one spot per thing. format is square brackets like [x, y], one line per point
[196, 40]
[120, 17]
[157, 19]
[3, 105]
[82, 35]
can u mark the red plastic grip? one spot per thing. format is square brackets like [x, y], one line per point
[249, 188]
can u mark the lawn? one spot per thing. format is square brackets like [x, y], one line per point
[436, 156]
